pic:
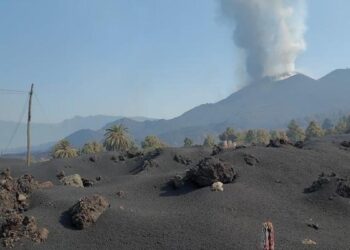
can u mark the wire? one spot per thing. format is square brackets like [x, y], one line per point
[43, 110]
[12, 91]
[17, 125]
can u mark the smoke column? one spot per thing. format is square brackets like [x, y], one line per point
[270, 32]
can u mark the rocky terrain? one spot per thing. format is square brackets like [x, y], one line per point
[165, 199]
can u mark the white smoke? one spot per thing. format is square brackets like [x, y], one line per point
[270, 32]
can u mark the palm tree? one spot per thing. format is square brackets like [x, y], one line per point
[314, 130]
[294, 132]
[117, 138]
[188, 142]
[92, 148]
[152, 142]
[63, 149]
[209, 141]
[228, 135]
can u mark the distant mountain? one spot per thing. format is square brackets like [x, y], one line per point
[46, 134]
[266, 104]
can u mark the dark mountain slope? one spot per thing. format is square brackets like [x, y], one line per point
[266, 104]
[83, 136]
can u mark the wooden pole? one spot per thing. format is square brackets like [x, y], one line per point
[269, 236]
[28, 124]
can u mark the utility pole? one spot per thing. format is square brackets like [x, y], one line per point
[28, 124]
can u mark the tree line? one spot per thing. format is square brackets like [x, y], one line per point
[293, 133]
[117, 138]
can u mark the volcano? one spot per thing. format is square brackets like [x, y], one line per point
[266, 104]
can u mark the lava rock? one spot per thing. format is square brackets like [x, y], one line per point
[210, 170]
[121, 194]
[299, 144]
[308, 242]
[18, 226]
[273, 144]
[6, 174]
[87, 182]
[87, 211]
[251, 160]
[92, 158]
[178, 181]
[132, 154]
[182, 160]
[21, 197]
[73, 180]
[318, 184]
[277, 143]
[217, 187]
[61, 175]
[313, 225]
[14, 192]
[217, 150]
[46, 185]
[147, 164]
[26, 184]
[343, 188]
[345, 144]
[332, 174]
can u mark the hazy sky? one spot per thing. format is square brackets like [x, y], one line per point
[155, 58]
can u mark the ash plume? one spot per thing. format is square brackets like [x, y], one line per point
[270, 33]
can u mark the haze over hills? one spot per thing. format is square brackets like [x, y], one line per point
[44, 134]
[267, 104]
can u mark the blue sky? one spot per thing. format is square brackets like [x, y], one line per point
[155, 58]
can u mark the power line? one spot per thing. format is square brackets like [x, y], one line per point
[43, 110]
[12, 91]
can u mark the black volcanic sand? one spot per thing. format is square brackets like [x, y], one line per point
[152, 215]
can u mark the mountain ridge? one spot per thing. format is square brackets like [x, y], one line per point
[47, 133]
[270, 104]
